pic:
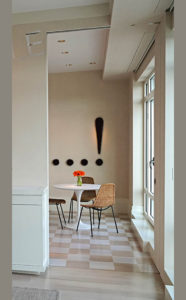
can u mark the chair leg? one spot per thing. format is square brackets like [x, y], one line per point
[72, 210]
[59, 215]
[99, 218]
[93, 216]
[62, 213]
[91, 222]
[79, 218]
[69, 211]
[114, 219]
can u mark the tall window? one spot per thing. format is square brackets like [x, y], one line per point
[149, 87]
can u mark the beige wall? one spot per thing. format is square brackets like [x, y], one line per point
[75, 100]
[29, 121]
[30, 86]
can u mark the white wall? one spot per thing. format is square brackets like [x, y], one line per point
[169, 150]
[29, 121]
[138, 188]
[75, 101]
[6, 148]
[163, 50]
[164, 148]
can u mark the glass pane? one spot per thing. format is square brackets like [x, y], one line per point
[152, 208]
[152, 83]
[146, 89]
[151, 162]
[146, 203]
[149, 87]
[146, 145]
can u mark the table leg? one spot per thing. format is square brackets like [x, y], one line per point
[78, 195]
[81, 224]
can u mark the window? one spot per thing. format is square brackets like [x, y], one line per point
[149, 87]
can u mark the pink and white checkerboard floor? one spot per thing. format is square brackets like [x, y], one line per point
[107, 250]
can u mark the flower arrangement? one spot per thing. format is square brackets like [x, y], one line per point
[79, 175]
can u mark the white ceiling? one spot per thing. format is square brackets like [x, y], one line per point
[86, 50]
[19, 6]
[126, 44]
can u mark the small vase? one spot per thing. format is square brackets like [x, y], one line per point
[79, 180]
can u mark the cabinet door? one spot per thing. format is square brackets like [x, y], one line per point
[27, 243]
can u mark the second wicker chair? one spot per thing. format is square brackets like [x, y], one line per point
[86, 196]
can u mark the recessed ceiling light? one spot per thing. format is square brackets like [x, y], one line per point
[64, 52]
[157, 22]
[153, 23]
[61, 41]
[92, 63]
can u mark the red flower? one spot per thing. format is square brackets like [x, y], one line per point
[79, 173]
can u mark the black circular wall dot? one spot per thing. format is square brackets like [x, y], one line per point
[99, 162]
[69, 162]
[84, 162]
[55, 162]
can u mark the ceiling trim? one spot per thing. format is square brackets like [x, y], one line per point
[79, 29]
[69, 13]
[22, 6]
[145, 54]
[146, 64]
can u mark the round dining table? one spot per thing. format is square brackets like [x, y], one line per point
[78, 191]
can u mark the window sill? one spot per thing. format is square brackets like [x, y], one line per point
[143, 230]
[169, 292]
[170, 275]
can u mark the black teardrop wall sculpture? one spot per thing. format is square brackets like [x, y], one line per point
[99, 131]
[55, 162]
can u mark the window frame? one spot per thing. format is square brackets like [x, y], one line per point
[148, 195]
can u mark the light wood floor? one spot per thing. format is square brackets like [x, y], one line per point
[75, 284]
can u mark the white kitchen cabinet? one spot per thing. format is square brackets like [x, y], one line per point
[30, 229]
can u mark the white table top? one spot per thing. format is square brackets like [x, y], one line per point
[74, 187]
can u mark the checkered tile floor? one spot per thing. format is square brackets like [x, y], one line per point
[107, 250]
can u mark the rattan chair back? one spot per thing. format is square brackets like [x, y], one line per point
[86, 195]
[105, 196]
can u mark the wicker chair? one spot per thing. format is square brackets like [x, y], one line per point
[58, 203]
[105, 199]
[86, 196]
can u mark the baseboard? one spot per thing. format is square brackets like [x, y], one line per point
[29, 269]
